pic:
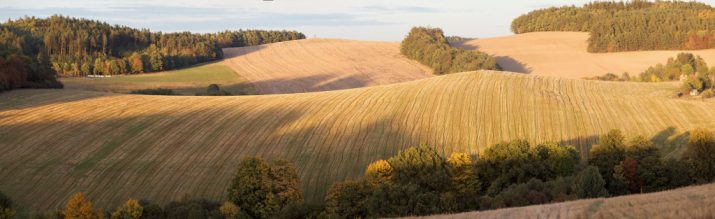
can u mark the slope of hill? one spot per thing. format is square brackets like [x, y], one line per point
[188, 81]
[564, 54]
[689, 202]
[322, 64]
[114, 146]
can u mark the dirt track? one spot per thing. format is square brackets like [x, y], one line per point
[563, 54]
[322, 64]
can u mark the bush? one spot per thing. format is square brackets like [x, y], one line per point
[6, 207]
[430, 47]
[229, 210]
[408, 199]
[78, 207]
[678, 172]
[700, 151]
[262, 190]
[348, 199]
[157, 91]
[708, 94]
[422, 166]
[590, 184]
[379, 172]
[299, 210]
[193, 209]
[517, 162]
[464, 179]
[129, 210]
[609, 153]
[215, 90]
[151, 210]
[559, 160]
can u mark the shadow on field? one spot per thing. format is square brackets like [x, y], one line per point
[314, 83]
[510, 64]
[29, 98]
[233, 52]
[507, 63]
[165, 154]
[667, 140]
[148, 152]
[464, 45]
[236, 89]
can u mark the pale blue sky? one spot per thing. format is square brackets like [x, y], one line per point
[366, 19]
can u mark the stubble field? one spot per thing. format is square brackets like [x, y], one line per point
[322, 64]
[114, 147]
[564, 54]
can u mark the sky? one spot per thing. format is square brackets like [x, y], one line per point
[364, 20]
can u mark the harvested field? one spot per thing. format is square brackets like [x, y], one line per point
[322, 64]
[563, 54]
[188, 81]
[689, 202]
[114, 146]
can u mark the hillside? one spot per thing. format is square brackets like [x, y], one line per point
[563, 54]
[188, 81]
[322, 64]
[689, 202]
[114, 146]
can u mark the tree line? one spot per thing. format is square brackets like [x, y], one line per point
[430, 47]
[629, 26]
[80, 47]
[692, 70]
[21, 66]
[419, 181]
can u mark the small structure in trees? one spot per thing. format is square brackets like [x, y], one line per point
[694, 92]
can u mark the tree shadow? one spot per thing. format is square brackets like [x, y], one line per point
[233, 52]
[508, 63]
[313, 83]
[29, 98]
[163, 154]
[464, 45]
[668, 140]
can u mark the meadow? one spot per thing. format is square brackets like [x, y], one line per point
[187, 81]
[54, 143]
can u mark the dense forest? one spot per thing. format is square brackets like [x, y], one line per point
[33, 49]
[420, 181]
[629, 26]
[430, 47]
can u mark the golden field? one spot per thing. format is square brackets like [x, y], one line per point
[322, 64]
[114, 146]
[563, 54]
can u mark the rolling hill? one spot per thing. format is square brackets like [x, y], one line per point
[114, 147]
[563, 54]
[688, 202]
[322, 64]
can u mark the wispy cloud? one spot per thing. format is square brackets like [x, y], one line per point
[185, 18]
[365, 19]
[397, 9]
